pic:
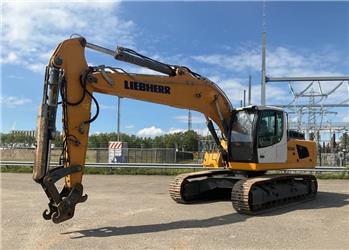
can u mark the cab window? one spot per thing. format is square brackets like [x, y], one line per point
[242, 129]
[270, 129]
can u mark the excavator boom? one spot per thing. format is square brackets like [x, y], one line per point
[69, 76]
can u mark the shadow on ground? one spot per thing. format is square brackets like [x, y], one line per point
[323, 200]
[153, 228]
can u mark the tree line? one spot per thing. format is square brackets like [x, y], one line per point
[183, 141]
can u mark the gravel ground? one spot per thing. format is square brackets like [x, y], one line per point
[136, 212]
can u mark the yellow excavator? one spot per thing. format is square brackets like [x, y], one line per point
[253, 140]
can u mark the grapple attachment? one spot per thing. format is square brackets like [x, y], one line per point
[62, 204]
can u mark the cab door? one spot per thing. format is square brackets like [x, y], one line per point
[271, 137]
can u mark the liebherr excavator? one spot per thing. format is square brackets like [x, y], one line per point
[253, 140]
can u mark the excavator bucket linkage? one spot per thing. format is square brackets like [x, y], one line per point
[61, 204]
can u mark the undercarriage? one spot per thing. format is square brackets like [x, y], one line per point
[250, 192]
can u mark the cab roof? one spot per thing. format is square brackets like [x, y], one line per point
[260, 107]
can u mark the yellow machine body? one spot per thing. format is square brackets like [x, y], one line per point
[182, 88]
[185, 92]
[294, 161]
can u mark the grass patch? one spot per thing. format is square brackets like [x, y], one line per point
[110, 171]
[16, 169]
[136, 171]
[151, 171]
[328, 176]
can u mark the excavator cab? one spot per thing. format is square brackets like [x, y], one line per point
[258, 135]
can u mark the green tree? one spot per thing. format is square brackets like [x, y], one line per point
[345, 141]
[11, 139]
[58, 141]
[190, 140]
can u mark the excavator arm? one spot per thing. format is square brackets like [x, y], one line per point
[69, 76]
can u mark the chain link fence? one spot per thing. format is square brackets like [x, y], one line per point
[100, 155]
[148, 155]
[339, 159]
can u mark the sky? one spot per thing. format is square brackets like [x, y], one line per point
[220, 40]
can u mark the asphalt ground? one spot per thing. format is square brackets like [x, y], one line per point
[136, 212]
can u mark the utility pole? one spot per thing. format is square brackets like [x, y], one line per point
[249, 89]
[244, 98]
[318, 145]
[189, 120]
[299, 119]
[264, 34]
[118, 121]
[263, 68]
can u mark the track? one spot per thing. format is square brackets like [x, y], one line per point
[261, 194]
[249, 195]
[179, 190]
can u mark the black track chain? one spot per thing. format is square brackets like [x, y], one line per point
[242, 189]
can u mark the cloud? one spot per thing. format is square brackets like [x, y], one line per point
[281, 61]
[10, 58]
[129, 126]
[154, 131]
[31, 31]
[13, 101]
[36, 67]
[202, 131]
[194, 119]
[175, 130]
[150, 132]
[103, 106]
[234, 89]
[15, 77]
